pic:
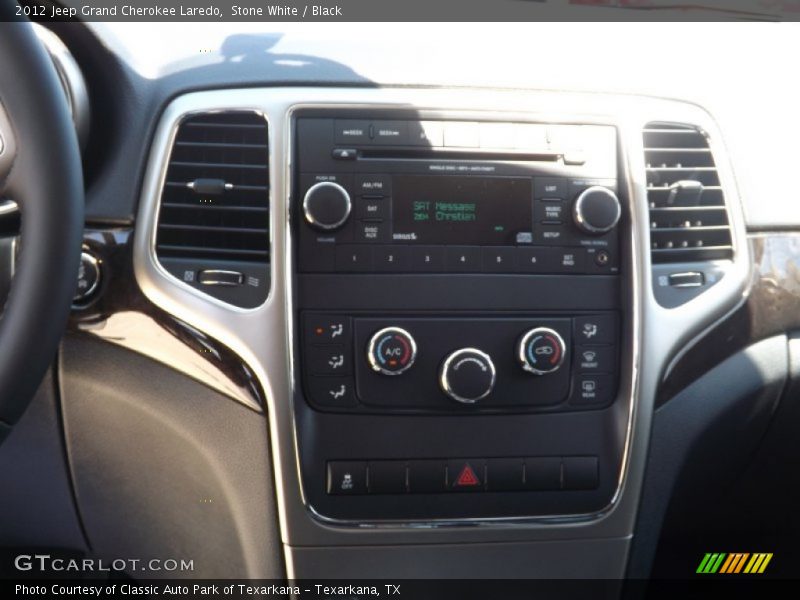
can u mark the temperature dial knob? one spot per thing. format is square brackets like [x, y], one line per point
[391, 351]
[467, 375]
[541, 351]
[596, 210]
[326, 205]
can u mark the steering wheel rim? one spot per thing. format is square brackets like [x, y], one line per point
[40, 169]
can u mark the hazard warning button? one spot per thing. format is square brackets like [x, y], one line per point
[465, 475]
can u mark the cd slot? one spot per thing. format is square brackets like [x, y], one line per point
[453, 154]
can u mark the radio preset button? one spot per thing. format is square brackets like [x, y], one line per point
[499, 259]
[427, 259]
[353, 258]
[531, 260]
[391, 351]
[392, 258]
[467, 375]
[463, 258]
[541, 351]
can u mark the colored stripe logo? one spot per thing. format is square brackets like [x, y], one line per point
[734, 563]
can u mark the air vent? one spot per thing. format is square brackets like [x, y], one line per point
[215, 202]
[213, 220]
[688, 216]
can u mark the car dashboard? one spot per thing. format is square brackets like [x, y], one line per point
[399, 329]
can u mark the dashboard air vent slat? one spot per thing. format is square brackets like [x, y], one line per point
[215, 202]
[688, 216]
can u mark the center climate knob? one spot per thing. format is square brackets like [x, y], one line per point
[467, 375]
[391, 351]
[541, 351]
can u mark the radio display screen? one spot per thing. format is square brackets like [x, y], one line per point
[461, 210]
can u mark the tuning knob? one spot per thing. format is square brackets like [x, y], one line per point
[596, 210]
[541, 351]
[326, 205]
[467, 375]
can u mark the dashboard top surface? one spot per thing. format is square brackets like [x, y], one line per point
[743, 85]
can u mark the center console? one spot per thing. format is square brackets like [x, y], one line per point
[459, 315]
[475, 296]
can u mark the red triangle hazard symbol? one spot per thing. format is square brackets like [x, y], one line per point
[467, 477]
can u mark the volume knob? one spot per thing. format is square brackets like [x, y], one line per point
[326, 205]
[597, 210]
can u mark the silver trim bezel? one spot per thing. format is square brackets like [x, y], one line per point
[651, 331]
[173, 133]
[444, 381]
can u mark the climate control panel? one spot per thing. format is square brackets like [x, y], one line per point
[355, 363]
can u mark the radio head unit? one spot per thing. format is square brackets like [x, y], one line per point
[457, 281]
[404, 195]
